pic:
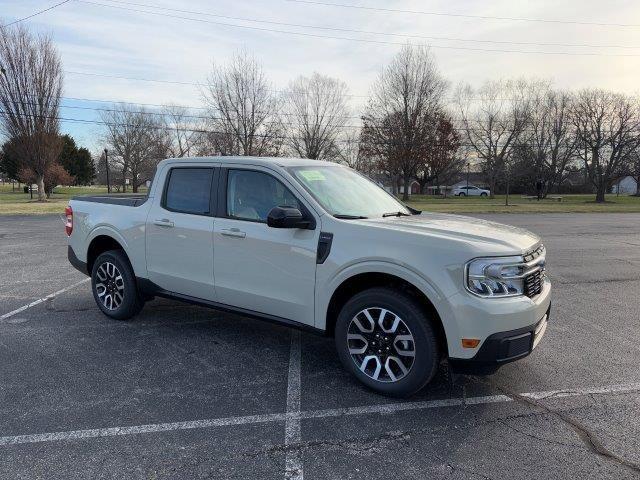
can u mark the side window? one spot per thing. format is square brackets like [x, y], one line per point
[251, 195]
[189, 190]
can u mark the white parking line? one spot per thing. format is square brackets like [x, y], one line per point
[43, 299]
[134, 430]
[293, 469]
[332, 412]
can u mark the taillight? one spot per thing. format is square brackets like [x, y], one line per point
[68, 227]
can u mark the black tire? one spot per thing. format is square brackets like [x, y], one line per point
[484, 194]
[427, 357]
[131, 301]
[462, 194]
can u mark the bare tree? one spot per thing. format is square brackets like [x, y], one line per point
[214, 143]
[350, 152]
[402, 112]
[442, 160]
[380, 152]
[30, 89]
[492, 118]
[607, 131]
[550, 136]
[181, 130]
[635, 170]
[243, 109]
[136, 143]
[316, 109]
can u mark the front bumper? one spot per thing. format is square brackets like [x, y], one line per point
[502, 347]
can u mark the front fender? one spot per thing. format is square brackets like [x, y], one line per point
[326, 288]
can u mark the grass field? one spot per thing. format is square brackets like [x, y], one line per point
[20, 203]
[517, 204]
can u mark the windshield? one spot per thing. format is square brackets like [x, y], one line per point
[345, 193]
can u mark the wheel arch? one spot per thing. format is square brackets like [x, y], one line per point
[358, 282]
[99, 244]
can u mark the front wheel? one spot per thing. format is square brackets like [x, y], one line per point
[114, 286]
[385, 339]
[462, 194]
[483, 194]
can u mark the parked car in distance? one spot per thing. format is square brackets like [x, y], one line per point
[316, 245]
[471, 190]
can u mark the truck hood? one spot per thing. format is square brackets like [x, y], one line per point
[484, 233]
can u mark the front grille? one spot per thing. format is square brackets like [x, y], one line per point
[533, 283]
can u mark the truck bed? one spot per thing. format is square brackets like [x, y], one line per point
[124, 199]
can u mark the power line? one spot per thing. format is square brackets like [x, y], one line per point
[34, 14]
[477, 17]
[193, 107]
[370, 32]
[212, 117]
[121, 77]
[156, 105]
[359, 40]
[204, 130]
[171, 82]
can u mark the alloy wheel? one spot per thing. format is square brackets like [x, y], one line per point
[109, 286]
[381, 344]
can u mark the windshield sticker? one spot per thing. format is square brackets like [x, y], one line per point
[312, 175]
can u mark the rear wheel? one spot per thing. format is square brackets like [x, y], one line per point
[114, 286]
[385, 339]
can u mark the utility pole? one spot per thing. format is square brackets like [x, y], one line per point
[106, 164]
[468, 163]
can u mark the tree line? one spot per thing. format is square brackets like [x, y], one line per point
[414, 125]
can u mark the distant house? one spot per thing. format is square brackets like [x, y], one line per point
[414, 188]
[384, 182]
[626, 184]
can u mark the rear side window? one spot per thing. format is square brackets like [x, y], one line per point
[189, 190]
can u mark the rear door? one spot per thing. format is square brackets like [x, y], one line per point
[179, 236]
[257, 267]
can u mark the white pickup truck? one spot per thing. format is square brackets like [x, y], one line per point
[316, 245]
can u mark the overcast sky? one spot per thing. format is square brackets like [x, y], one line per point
[94, 38]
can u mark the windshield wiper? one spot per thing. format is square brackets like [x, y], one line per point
[349, 217]
[396, 214]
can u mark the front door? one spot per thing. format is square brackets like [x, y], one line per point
[259, 268]
[179, 235]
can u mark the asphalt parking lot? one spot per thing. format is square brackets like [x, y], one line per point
[186, 392]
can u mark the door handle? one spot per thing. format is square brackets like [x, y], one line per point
[165, 222]
[233, 232]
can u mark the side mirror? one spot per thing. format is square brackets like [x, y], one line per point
[286, 217]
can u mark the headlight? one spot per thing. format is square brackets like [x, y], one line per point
[496, 277]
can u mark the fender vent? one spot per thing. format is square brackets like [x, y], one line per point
[324, 247]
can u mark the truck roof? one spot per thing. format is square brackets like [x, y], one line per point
[280, 161]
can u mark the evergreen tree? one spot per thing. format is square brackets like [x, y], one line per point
[76, 161]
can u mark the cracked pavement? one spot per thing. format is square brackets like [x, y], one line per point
[64, 366]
